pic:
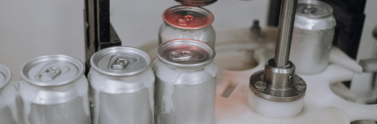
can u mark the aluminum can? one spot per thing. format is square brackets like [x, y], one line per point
[54, 90]
[312, 36]
[185, 83]
[122, 85]
[8, 111]
[187, 22]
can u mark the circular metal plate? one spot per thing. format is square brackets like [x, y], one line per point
[294, 93]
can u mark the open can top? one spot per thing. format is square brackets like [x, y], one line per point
[120, 61]
[5, 76]
[313, 9]
[188, 17]
[196, 2]
[52, 70]
[185, 53]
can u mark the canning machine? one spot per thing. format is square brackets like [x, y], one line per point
[279, 61]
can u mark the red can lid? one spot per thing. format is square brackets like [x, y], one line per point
[188, 17]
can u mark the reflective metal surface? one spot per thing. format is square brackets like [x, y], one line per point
[120, 61]
[54, 90]
[52, 70]
[187, 22]
[121, 81]
[186, 53]
[283, 44]
[312, 37]
[278, 84]
[185, 89]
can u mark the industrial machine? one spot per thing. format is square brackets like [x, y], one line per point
[252, 88]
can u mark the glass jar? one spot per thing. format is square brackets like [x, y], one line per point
[187, 22]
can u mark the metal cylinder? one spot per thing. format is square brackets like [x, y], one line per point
[185, 84]
[279, 78]
[121, 84]
[286, 21]
[277, 85]
[312, 36]
[54, 90]
[187, 22]
[7, 97]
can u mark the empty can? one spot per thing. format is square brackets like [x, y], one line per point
[187, 22]
[185, 83]
[312, 36]
[8, 93]
[54, 90]
[122, 83]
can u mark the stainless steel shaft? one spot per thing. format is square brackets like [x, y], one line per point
[286, 21]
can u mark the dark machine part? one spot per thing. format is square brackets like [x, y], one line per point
[255, 28]
[375, 32]
[349, 15]
[273, 13]
[99, 32]
[278, 82]
[196, 2]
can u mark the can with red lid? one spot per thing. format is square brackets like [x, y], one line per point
[187, 22]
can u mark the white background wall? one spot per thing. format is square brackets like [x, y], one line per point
[31, 28]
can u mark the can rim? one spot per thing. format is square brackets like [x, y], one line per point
[8, 75]
[69, 59]
[192, 8]
[316, 2]
[99, 54]
[196, 2]
[205, 46]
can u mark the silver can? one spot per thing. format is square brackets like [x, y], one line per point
[122, 86]
[8, 112]
[185, 83]
[54, 90]
[312, 36]
[187, 22]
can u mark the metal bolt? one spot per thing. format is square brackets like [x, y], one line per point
[260, 85]
[300, 86]
[255, 28]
